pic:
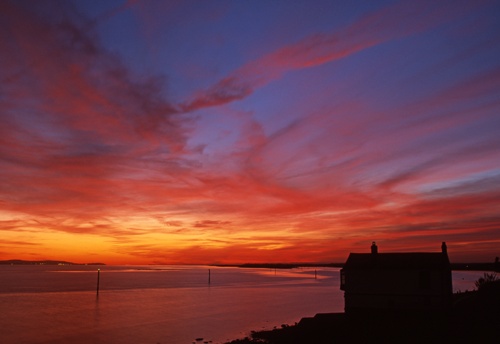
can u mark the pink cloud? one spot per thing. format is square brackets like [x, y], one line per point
[395, 21]
[74, 119]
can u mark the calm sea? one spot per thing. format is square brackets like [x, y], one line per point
[162, 304]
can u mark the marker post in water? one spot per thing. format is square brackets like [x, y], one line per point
[208, 276]
[98, 277]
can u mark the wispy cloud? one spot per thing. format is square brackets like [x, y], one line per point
[380, 126]
[393, 22]
[76, 122]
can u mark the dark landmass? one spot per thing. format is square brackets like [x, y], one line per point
[288, 265]
[474, 318]
[281, 265]
[454, 266]
[42, 262]
[475, 266]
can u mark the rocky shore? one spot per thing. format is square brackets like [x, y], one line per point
[474, 318]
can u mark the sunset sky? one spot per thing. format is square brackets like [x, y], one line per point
[156, 132]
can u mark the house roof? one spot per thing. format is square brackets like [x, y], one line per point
[417, 260]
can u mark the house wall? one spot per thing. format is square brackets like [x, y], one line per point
[394, 281]
[393, 289]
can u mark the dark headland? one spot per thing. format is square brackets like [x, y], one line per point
[42, 262]
[473, 318]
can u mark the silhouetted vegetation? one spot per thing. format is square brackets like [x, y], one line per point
[487, 278]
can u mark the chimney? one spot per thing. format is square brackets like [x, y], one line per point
[444, 249]
[374, 248]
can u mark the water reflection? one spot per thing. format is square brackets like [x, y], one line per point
[168, 306]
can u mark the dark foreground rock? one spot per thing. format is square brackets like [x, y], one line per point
[341, 328]
[474, 318]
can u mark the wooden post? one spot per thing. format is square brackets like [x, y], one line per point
[208, 276]
[98, 277]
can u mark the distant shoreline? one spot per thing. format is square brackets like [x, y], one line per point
[454, 266]
[282, 265]
[42, 262]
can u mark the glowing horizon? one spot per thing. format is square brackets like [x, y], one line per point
[232, 132]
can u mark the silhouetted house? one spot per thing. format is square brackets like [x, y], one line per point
[397, 281]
